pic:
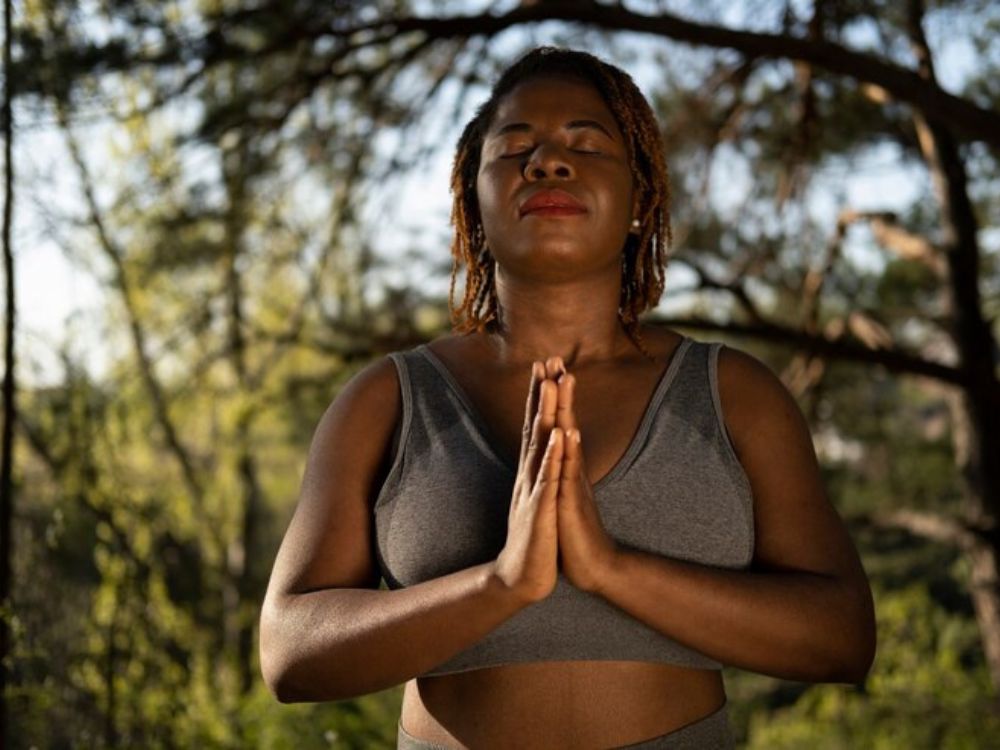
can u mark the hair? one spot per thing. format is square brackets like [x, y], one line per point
[644, 255]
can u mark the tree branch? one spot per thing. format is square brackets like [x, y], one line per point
[967, 118]
[139, 345]
[734, 287]
[892, 236]
[928, 525]
[842, 350]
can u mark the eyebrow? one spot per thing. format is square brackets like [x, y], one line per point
[523, 127]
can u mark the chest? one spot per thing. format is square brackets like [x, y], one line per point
[665, 483]
[608, 411]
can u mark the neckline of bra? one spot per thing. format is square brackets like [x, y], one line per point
[652, 406]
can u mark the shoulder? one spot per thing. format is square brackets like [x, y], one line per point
[755, 402]
[743, 375]
[376, 382]
[370, 399]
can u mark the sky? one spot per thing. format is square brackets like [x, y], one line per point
[60, 298]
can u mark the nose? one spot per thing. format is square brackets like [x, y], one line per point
[548, 160]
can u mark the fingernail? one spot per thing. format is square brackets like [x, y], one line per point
[576, 436]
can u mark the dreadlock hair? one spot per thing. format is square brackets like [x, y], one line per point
[645, 254]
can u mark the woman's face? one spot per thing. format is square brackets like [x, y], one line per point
[554, 141]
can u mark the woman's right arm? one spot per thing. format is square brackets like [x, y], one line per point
[326, 631]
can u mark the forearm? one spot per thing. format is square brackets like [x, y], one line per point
[793, 625]
[336, 644]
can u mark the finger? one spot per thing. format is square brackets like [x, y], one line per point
[566, 413]
[545, 420]
[554, 452]
[554, 367]
[537, 375]
[572, 468]
[547, 482]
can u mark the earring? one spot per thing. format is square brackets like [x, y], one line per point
[635, 225]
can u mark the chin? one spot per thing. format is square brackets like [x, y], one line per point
[549, 261]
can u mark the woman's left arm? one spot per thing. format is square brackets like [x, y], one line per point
[803, 610]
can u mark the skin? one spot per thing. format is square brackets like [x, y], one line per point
[802, 611]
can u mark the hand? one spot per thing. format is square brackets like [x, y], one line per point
[586, 551]
[528, 562]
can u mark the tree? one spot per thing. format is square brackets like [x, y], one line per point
[318, 91]
[9, 377]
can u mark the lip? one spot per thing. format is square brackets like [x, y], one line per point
[552, 202]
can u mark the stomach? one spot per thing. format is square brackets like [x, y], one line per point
[559, 704]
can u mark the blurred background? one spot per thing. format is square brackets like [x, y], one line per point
[222, 209]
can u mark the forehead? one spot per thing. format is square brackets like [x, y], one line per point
[551, 98]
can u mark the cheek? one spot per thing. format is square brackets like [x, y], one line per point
[489, 194]
[619, 196]
[485, 193]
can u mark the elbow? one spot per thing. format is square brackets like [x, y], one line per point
[282, 678]
[287, 688]
[865, 642]
[835, 644]
[281, 690]
[861, 657]
[276, 660]
[851, 668]
[842, 660]
[278, 680]
[274, 669]
[284, 691]
[291, 673]
[854, 654]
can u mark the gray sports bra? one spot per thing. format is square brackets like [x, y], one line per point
[678, 491]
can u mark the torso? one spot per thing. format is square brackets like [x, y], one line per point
[559, 704]
[567, 703]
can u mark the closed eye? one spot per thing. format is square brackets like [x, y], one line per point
[528, 151]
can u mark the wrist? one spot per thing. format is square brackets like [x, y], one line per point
[610, 570]
[503, 594]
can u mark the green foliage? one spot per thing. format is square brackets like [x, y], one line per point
[928, 688]
[122, 646]
[367, 722]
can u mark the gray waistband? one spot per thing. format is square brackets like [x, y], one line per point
[711, 732]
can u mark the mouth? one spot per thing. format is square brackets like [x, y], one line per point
[552, 203]
[554, 211]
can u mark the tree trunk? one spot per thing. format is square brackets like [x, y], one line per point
[239, 595]
[110, 666]
[9, 390]
[983, 581]
[976, 347]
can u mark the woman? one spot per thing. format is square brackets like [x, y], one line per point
[573, 572]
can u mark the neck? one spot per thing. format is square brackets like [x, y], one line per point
[574, 319]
